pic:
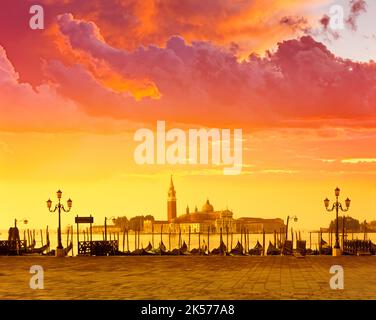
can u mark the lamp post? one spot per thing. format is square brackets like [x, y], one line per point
[59, 207]
[113, 219]
[287, 223]
[338, 206]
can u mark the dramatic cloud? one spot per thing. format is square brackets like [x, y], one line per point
[298, 83]
[250, 25]
[24, 108]
[357, 7]
[301, 83]
[296, 23]
[247, 25]
[154, 21]
[325, 23]
[7, 72]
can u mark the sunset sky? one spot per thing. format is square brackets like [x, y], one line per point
[73, 95]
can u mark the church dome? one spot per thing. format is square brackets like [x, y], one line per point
[207, 207]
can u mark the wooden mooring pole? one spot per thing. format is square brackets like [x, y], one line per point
[263, 241]
[227, 238]
[189, 239]
[248, 240]
[169, 239]
[208, 239]
[152, 234]
[199, 242]
[241, 239]
[123, 239]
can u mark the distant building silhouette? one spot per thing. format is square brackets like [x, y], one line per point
[207, 218]
[171, 202]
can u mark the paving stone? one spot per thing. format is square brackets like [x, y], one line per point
[188, 278]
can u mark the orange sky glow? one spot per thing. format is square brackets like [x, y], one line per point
[73, 95]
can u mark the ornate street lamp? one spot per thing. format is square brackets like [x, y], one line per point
[338, 206]
[59, 207]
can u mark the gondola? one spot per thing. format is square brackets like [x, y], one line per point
[161, 250]
[301, 247]
[373, 248]
[272, 250]
[238, 250]
[36, 251]
[199, 251]
[183, 250]
[287, 248]
[32, 245]
[220, 251]
[149, 247]
[325, 248]
[68, 249]
[196, 251]
[143, 251]
[257, 250]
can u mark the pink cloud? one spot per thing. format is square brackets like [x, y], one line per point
[7, 73]
[357, 7]
[43, 108]
[324, 22]
[301, 82]
[296, 23]
[154, 21]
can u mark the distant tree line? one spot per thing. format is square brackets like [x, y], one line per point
[353, 225]
[134, 223]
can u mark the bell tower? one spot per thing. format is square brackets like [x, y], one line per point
[171, 202]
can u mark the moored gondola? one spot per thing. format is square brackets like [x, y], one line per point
[35, 251]
[257, 250]
[325, 248]
[373, 248]
[238, 250]
[273, 250]
[287, 248]
[220, 251]
[200, 251]
[144, 251]
[149, 247]
[161, 250]
[301, 247]
[183, 250]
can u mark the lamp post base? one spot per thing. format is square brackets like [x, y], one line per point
[336, 252]
[59, 252]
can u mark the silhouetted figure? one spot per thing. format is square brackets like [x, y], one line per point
[14, 240]
[13, 234]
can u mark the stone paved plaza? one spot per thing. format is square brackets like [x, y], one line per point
[187, 277]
